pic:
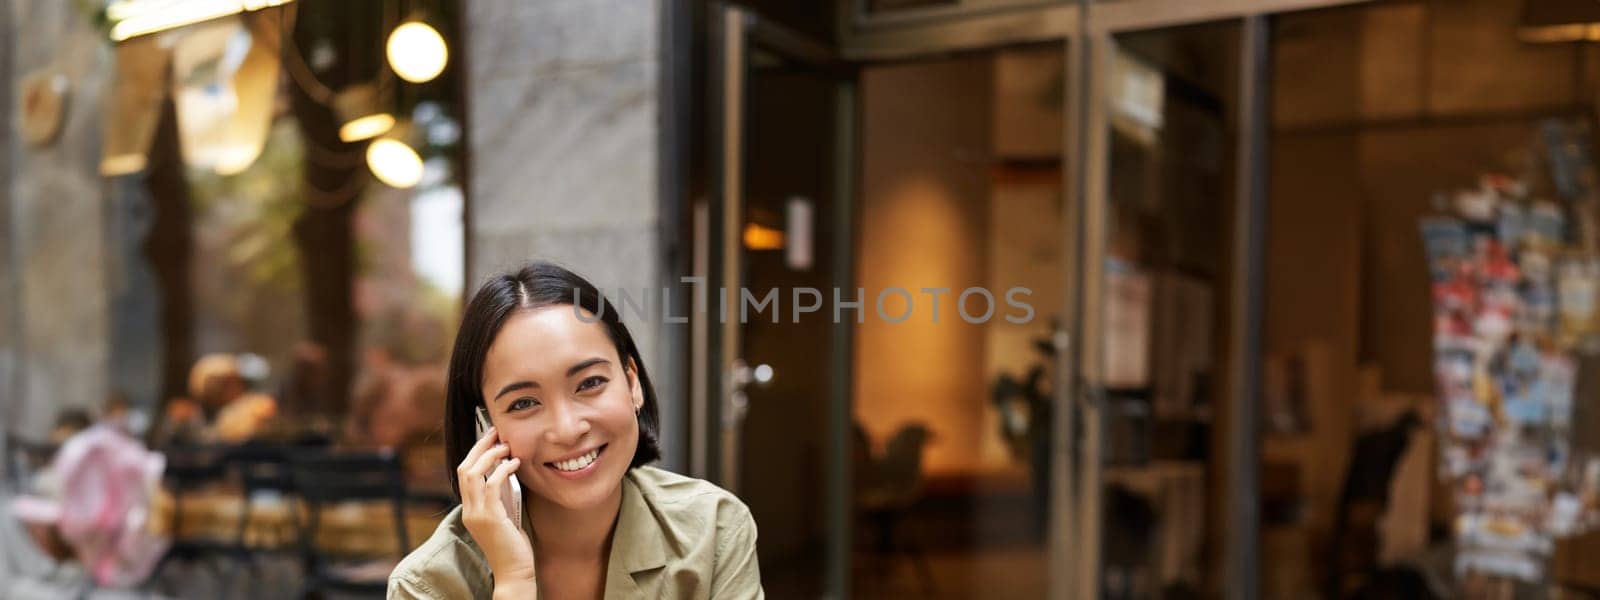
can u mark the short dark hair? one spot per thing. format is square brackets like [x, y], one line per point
[536, 285]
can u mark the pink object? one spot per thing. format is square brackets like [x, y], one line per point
[34, 510]
[105, 481]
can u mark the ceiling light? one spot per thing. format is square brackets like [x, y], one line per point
[417, 52]
[393, 158]
[360, 114]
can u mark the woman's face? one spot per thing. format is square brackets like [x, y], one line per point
[565, 404]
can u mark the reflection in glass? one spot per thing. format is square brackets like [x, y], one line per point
[961, 189]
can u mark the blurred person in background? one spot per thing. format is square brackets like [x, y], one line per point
[397, 408]
[303, 393]
[219, 407]
[394, 405]
[69, 421]
[120, 413]
[90, 506]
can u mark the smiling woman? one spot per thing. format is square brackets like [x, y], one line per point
[574, 419]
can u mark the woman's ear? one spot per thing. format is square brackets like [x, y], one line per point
[635, 389]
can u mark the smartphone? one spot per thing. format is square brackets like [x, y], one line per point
[511, 494]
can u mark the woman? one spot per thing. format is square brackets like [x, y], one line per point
[574, 419]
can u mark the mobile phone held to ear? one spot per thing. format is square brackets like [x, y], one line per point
[511, 494]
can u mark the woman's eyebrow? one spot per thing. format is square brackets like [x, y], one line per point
[522, 385]
[585, 364]
[512, 387]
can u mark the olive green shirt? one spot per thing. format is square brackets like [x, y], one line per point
[675, 537]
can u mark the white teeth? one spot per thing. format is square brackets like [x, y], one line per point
[579, 462]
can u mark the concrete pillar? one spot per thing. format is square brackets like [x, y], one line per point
[565, 144]
[55, 289]
[9, 387]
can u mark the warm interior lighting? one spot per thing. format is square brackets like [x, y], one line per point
[393, 161]
[120, 10]
[224, 105]
[365, 128]
[758, 237]
[139, 88]
[235, 162]
[1560, 33]
[417, 52]
[361, 114]
[122, 164]
[143, 17]
[1555, 21]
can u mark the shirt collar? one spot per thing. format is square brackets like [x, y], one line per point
[638, 544]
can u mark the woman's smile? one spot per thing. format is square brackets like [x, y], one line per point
[578, 466]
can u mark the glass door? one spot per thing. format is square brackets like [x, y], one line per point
[884, 375]
[770, 385]
[1171, 321]
[964, 264]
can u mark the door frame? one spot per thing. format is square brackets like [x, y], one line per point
[733, 33]
[1096, 37]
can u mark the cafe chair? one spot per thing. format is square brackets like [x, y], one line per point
[887, 491]
[263, 469]
[190, 469]
[326, 479]
[1353, 556]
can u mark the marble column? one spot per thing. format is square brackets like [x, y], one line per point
[564, 136]
[56, 225]
[9, 388]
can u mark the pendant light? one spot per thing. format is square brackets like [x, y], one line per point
[416, 51]
[393, 158]
[361, 113]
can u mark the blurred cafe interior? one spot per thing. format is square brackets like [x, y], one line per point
[1313, 284]
[263, 203]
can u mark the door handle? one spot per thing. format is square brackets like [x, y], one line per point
[740, 376]
[737, 402]
[736, 405]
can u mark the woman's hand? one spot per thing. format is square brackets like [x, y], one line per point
[481, 476]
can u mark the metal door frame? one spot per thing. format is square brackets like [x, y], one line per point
[735, 31]
[1097, 37]
[715, 345]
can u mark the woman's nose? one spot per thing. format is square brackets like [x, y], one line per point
[569, 425]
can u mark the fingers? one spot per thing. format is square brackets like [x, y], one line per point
[489, 441]
[500, 473]
[489, 459]
[494, 485]
[489, 438]
[469, 472]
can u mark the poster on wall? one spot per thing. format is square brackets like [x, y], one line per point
[1515, 285]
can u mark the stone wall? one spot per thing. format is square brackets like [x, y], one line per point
[56, 229]
[564, 138]
[8, 269]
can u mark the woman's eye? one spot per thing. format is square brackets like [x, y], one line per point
[591, 383]
[521, 403]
